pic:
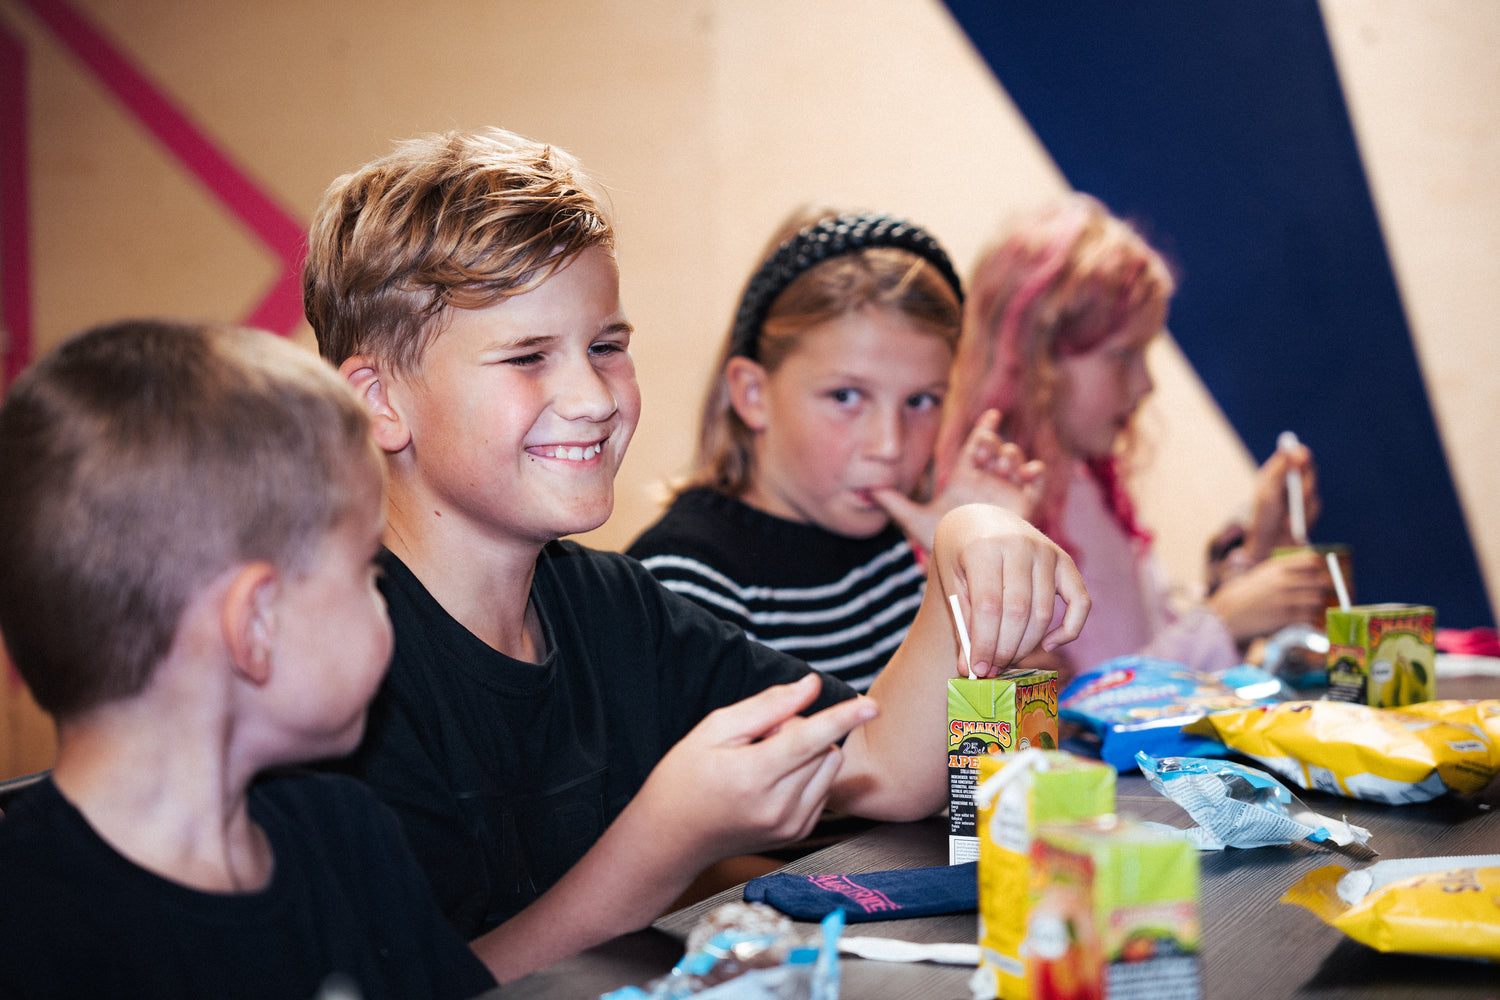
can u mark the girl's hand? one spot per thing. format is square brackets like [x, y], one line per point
[989, 470]
[1007, 576]
[1270, 519]
[1274, 593]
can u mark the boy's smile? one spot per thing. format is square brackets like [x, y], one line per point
[522, 410]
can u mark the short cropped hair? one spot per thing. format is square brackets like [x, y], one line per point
[138, 461]
[455, 220]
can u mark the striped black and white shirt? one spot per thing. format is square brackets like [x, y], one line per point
[841, 604]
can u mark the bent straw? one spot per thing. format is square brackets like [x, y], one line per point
[1338, 581]
[1298, 516]
[963, 634]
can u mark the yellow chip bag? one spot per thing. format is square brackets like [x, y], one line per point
[1447, 907]
[1482, 717]
[1392, 755]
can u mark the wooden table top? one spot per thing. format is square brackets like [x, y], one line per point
[1254, 946]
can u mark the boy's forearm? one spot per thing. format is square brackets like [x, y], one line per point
[895, 766]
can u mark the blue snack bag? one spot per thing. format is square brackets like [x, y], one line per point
[1135, 703]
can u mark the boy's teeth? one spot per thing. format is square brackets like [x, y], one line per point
[576, 454]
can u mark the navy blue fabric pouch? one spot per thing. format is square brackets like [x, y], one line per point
[889, 895]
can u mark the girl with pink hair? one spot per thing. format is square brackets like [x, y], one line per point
[1056, 327]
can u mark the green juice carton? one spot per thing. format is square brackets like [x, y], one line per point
[1114, 913]
[1017, 793]
[989, 716]
[1381, 654]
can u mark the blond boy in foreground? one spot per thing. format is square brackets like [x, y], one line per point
[568, 743]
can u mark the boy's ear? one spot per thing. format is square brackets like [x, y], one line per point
[747, 391]
[371, 382]
[249, 620]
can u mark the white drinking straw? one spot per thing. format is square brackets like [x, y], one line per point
[1286, 441]
[1338, 581]
[963, 633]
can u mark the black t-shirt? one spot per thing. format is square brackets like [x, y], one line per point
[345, 904]
[504, 773]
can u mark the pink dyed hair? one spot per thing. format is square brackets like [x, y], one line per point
[1062, 281]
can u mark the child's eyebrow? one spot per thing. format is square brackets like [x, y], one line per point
[521, 344]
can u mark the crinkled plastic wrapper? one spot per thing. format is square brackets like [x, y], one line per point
[1443, 907]
[749, 951]
[1239, 806]
[1134, 703]
[1391, 755]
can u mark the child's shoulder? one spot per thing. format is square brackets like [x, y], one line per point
[705, 523]
[31, 815]
[303, 795]
[710, 533]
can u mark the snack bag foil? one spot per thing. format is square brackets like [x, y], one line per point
[1391, 755]
[1446, 907]
[1017, 792]
[1239, 806]
[1133, 703]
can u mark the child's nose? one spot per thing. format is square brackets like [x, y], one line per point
[885, 435]
[1142, 383]
[583, 394]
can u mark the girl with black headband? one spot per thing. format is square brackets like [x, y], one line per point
[817, 432]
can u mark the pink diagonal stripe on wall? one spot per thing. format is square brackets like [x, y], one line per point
[277, 229]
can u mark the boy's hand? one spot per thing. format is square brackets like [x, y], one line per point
[748, 776]
[989, 470]
[1006, 573]
[752, 775]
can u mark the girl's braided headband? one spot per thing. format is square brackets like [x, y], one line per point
[825, 239]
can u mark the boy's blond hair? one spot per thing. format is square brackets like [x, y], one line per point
[459, 219]
[138, 461]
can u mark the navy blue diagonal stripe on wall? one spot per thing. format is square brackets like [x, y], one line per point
[1219, 126]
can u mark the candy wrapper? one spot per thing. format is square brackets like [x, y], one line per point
[1133, 703]
[1392, 755]
[1445, 907]
[748, 951]
[1239, 806]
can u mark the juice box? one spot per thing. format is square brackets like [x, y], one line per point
[988, 716]
[1038, 786]
[1381, 654]
[1114, 913]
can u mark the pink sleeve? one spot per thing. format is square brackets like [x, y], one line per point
[1131, 610]
[1198, 639]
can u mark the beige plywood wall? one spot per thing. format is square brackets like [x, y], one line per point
[709, 120]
